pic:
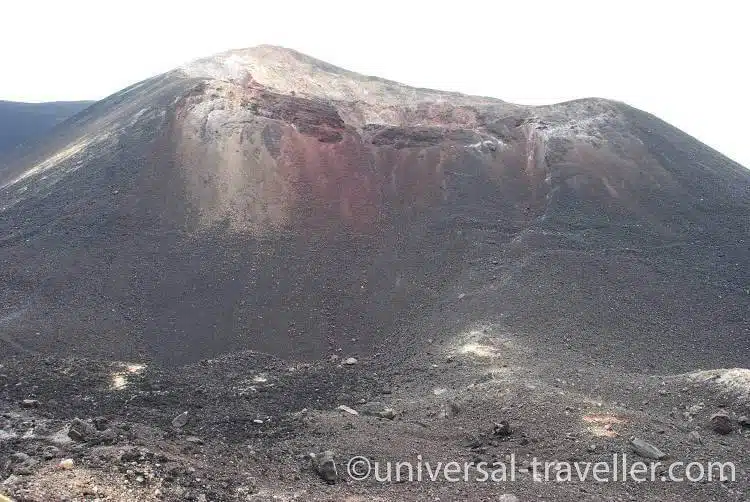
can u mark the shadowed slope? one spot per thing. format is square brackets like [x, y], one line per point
[27, 122]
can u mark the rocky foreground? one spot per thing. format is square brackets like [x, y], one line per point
[252, 427]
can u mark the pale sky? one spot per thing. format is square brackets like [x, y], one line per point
[686, 62]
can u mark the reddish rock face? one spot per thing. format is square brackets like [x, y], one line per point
[262, 199]
[299, 162]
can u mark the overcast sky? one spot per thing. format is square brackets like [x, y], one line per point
[685, 61]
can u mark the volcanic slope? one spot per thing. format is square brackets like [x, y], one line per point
[261, 199]
[27, 122]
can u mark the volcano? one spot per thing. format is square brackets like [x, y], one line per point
[221, 283]
[262, 199]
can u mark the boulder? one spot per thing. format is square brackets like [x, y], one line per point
[325, 465]
[80, 431]
[721, 423]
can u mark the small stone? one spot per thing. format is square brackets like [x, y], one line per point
[721, 423]
[388, 414]
[258, 421]
[80, 431]
[647, 450]
[29, 403]
[50, 452]
[194, 440]
[695, 437]
[744, 421]
[101, 424]
[181, 420]
[325, 465]
[592, 447]
[501, 429]
[348, 410]
[130, 454]
[378, 409]
[66, 464]
[351, 361]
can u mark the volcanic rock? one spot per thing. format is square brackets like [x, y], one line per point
[181, 420]
[49, 452]
[646, 450]
[378, 409]
[67, 464]
[347, 409]
[502, 429]
[80, 431]
[721, 423]
[325, 465]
